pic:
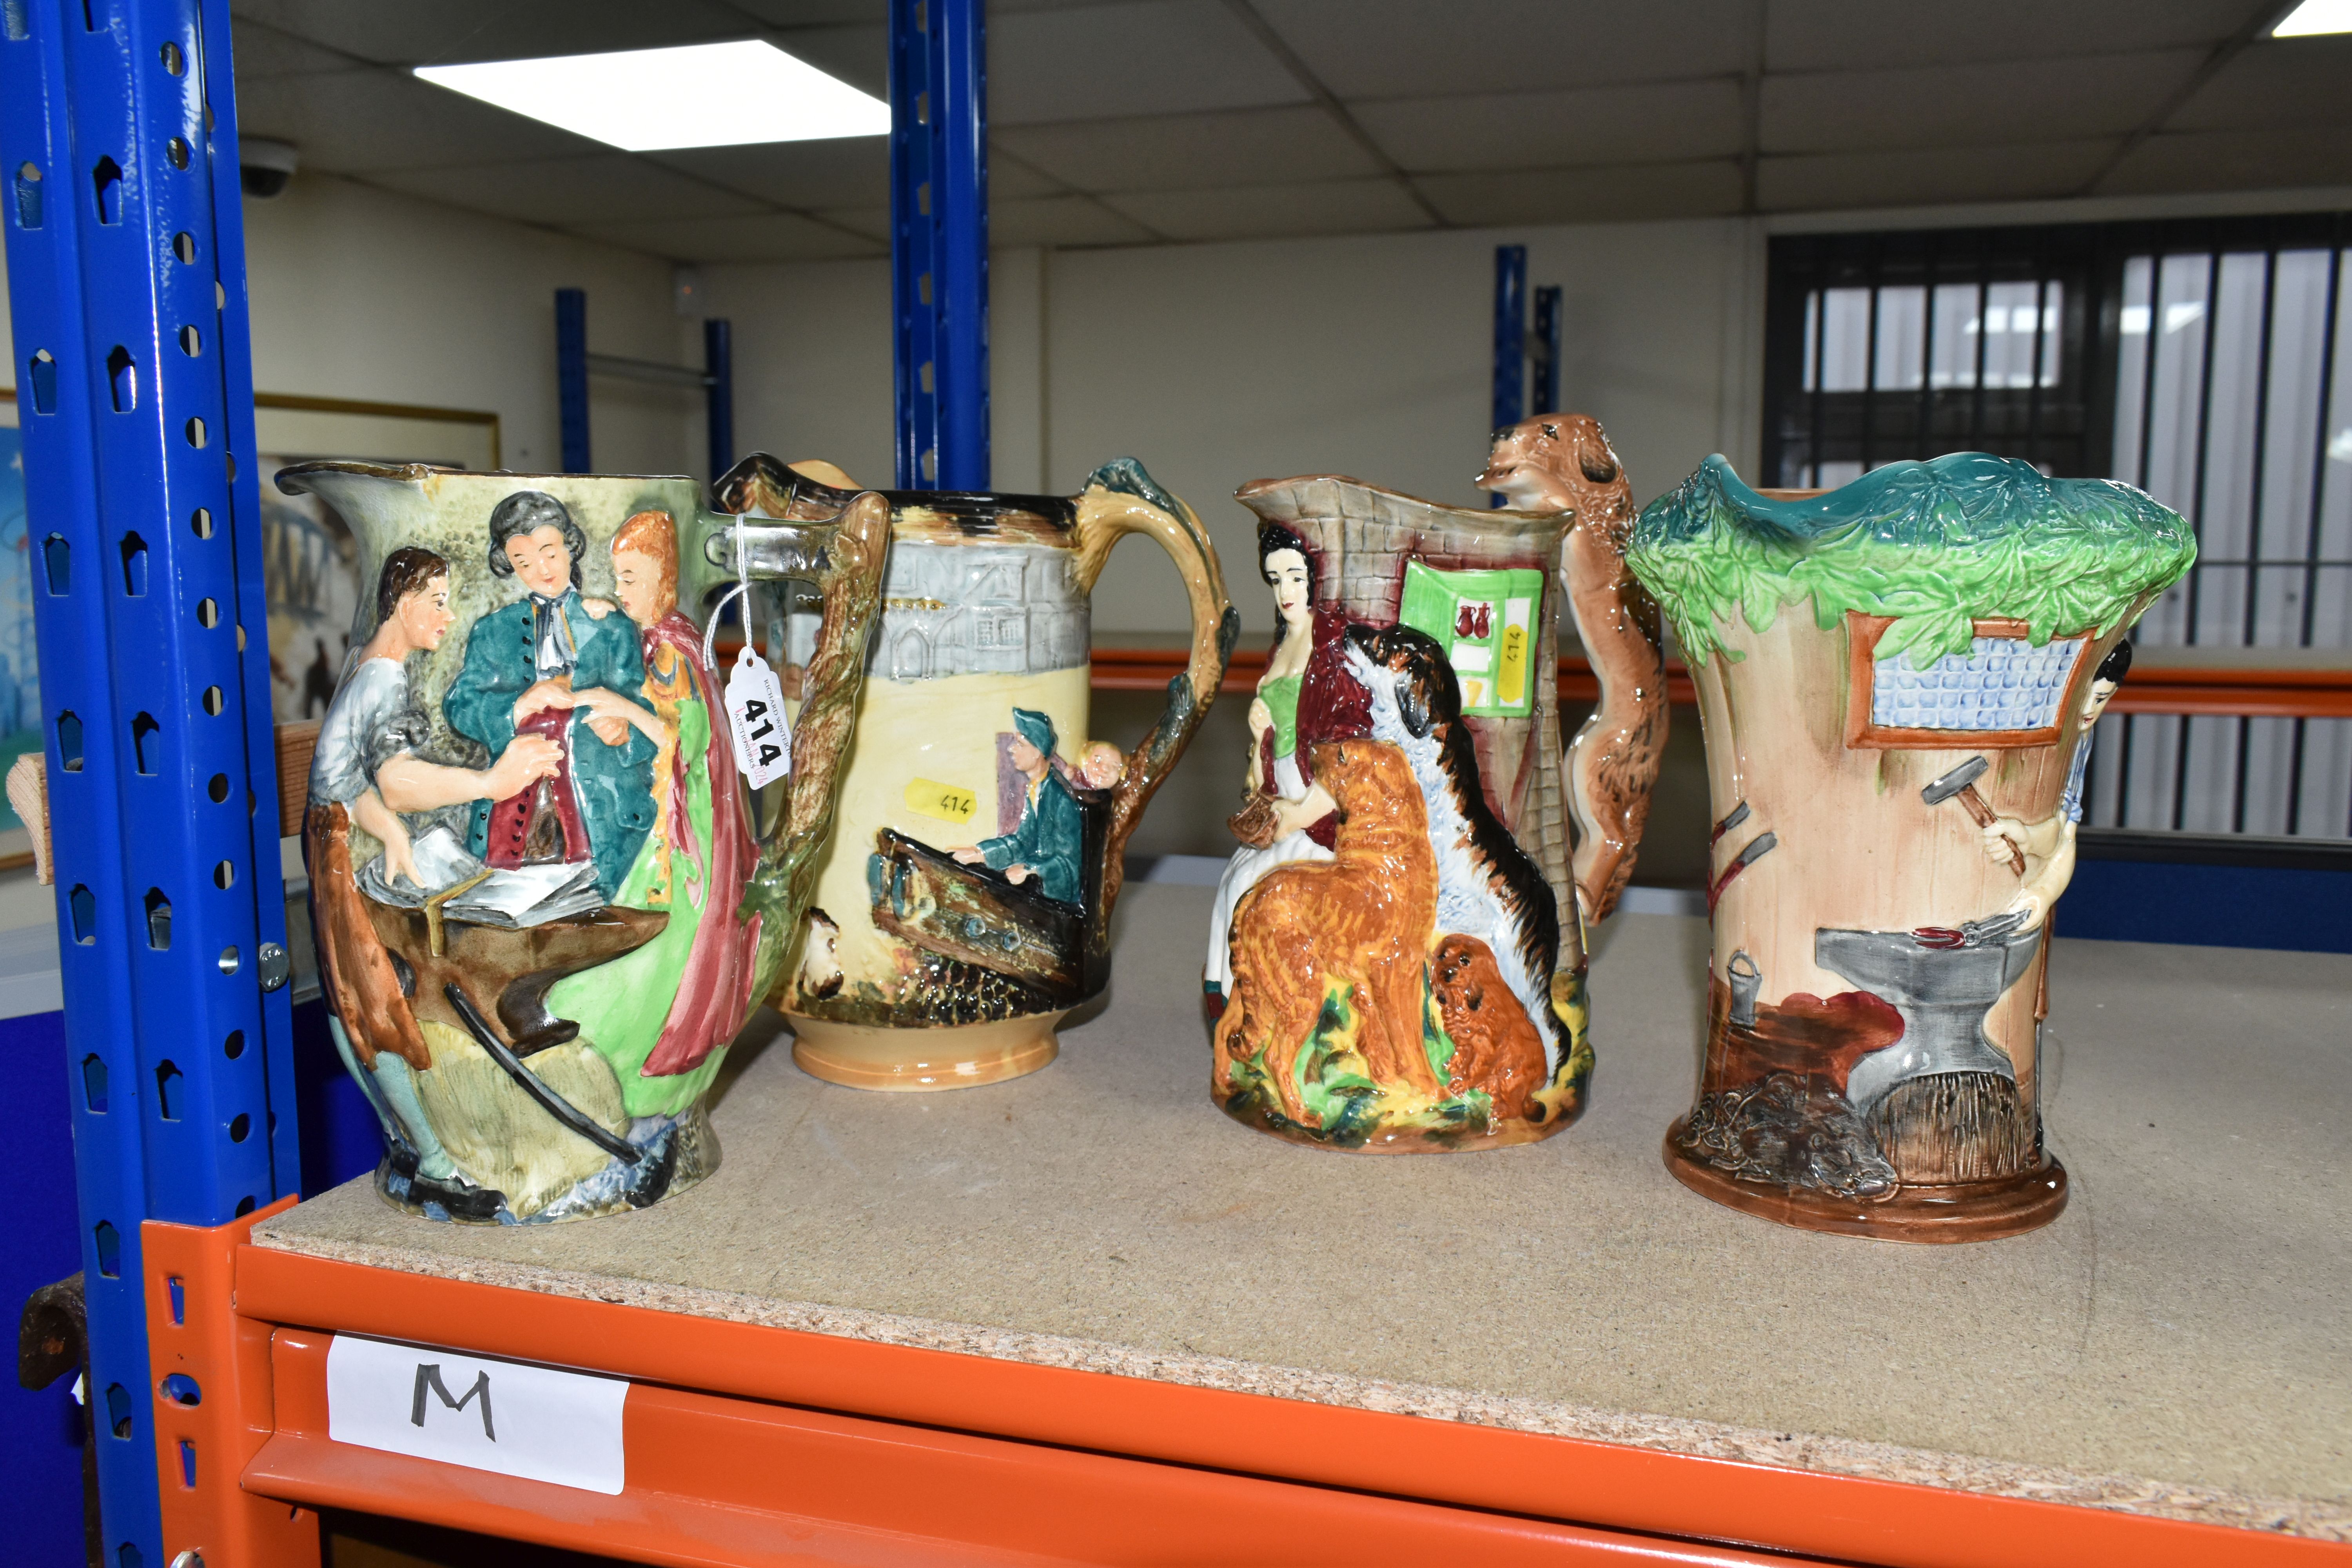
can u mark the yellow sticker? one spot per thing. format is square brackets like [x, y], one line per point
[1511, 680]
[945, 801]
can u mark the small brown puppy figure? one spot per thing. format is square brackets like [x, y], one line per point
[1495, 1046]
[1562, 462]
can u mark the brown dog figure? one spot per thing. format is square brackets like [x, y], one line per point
[1562, 462]
[1359, 922]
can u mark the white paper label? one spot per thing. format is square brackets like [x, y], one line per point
[755, 712]
[531, 1422]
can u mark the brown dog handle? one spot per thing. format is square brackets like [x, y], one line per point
[1120, 499]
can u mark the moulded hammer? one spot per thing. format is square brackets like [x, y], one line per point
[1962, 782]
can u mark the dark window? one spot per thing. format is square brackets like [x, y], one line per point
[2206, 361]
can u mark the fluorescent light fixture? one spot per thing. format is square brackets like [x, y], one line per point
[700, 95]
[2314, 17]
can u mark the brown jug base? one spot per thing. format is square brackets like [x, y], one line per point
[923, 1061]
[1979, 1211]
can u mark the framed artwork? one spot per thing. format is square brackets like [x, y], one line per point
[311, 559]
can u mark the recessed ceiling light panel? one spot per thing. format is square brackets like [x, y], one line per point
[700, 95]
[2314, 17]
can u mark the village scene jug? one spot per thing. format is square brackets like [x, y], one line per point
[963, 903]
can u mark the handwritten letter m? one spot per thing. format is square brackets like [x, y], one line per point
[428, 1377]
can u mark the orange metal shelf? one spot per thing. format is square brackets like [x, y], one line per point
[756, 1445]
[717, 1479]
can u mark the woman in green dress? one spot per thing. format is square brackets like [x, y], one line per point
[664, 1014]
[1289, 809]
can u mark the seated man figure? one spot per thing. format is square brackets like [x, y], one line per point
[1048, 843]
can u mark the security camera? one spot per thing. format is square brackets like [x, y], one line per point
[264, 167]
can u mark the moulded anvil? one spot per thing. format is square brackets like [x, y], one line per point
[1943, 993]
[513, 969]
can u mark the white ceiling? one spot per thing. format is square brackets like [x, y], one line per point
[1144, 121]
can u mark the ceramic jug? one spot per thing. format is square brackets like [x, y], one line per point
[1396, 960]
[1897, 682]
[540, 910]
[963, 904]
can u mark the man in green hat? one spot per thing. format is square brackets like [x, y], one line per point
[1046, 844]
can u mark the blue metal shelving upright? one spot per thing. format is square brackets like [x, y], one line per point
[1546, 396]
[938, 241]
[126, 272]
[572, 377]
[1510, 336]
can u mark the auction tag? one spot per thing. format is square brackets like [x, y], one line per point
[533, 1422]
[755, 712]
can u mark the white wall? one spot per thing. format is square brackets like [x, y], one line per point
[360, 294]
[1214, 364]
[1217, 365]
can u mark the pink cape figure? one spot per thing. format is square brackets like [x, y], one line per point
[714, 991]
[714, 988]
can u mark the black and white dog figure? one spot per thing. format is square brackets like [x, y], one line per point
[1487, 886]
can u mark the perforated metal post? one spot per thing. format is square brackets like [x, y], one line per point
[126, 273]
[572, 377]
[719, 392]
[1510, 341]
[938, 245]
[1511, 334]
[1546, 358]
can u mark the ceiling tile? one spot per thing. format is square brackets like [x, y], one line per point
[362, 122]
[430, 32]
[259, 50]
[2285, 81]
[1011, 177]
[1652, 123]
[1412, 49]
[846, 171]
[817, 13]
[1262, 212]
[1185, 152]
[1819, 182]
[1061, 220]
[1833, 34]
[2235, 160]
[1154, 57]
[1586, 195]
[859, 55]
[777, 237]
[872, 222]
[608, 187]
[2015, 100]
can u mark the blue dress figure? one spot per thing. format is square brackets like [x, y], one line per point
[526, 667]
[1048, 843]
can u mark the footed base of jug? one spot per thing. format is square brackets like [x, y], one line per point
[920, 1061]
[1975, 1211]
